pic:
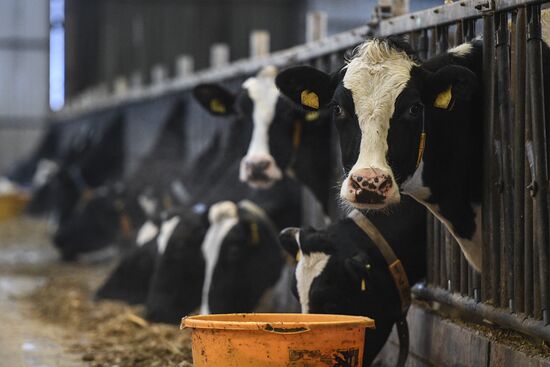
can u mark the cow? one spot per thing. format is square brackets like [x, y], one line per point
[114, 212]
[341, 270]
[228, 262]
[92, 159]
[408, 127]
[285, 140]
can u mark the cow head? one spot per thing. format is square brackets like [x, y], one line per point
[336, 274]
[243, 258]
[275, 125]
[175, 288]
[386, 107]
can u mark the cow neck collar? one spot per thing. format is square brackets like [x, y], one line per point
[422, 143]
[399, 276]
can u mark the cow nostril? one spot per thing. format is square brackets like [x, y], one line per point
[263, 165]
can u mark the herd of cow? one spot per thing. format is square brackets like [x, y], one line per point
[222, 233]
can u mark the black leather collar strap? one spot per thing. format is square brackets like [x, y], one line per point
[399, 277]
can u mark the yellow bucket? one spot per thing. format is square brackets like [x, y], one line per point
[277, 340]
[12, 205]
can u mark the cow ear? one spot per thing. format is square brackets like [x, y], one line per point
[289, 238]
[305, 86]
[358, 268]
[215, 99]
[449, 84]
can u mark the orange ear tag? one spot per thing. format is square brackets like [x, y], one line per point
[363, 285]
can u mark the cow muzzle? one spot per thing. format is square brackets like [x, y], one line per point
[259, 171]
[370, 188]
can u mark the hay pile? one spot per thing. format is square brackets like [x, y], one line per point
[108, 333]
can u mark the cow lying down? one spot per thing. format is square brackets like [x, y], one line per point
[341, 270]
[231, 262]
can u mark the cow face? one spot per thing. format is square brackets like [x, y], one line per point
[331, 276]
[243, 258]
[385, 105]
[175, 288]
[275, 125]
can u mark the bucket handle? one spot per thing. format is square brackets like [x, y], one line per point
[278, 330]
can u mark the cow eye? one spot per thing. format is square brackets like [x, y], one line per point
[338, 111]
[415, 109]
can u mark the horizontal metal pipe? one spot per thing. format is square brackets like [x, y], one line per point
[516, 322]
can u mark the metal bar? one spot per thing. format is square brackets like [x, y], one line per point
[502, 43]
[534, 58]
[437, 252]
[518, 83]
[430, 252]
[447, 14]
[528, 203]
[463, 275]
[489, 278]
[536, 329]
[423, 44]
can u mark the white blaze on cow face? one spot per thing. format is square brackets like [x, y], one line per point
[223, 217]
[146, 233]
[258, 160]
[45, 169]
[166, 230]
[375, 76]
[308, 269]
[148, 204]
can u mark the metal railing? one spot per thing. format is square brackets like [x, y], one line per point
[513, 288]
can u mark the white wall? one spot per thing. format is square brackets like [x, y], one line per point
[24, 33]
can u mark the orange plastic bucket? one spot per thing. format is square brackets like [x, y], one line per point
[290, 340]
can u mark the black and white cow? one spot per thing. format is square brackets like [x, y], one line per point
[93, 159]
[407, 127]
[341, 271]
[284, 139]
[228, 263]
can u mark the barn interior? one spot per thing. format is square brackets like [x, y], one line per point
[112, 164]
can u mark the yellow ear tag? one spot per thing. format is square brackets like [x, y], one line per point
[363, 285]
[312, 116]
[298, 256]
[217, 106]
[254, 233]
[125, 225]
[309, 99]
[443, 99]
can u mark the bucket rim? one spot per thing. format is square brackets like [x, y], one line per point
[220, 322]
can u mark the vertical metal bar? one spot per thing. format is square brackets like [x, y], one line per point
[432, 43]
[528, 204]
[489, 278]
[518, 86]
[443, 252]
[502, 44]
[463, 275]
[437, 250]
[430, 250]
[442, 33]
[534, 58]
[423, 45]
[459, 32]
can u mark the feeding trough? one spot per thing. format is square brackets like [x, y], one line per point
[262, 340]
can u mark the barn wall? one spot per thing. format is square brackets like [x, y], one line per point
[110, 38]
[24, 32]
